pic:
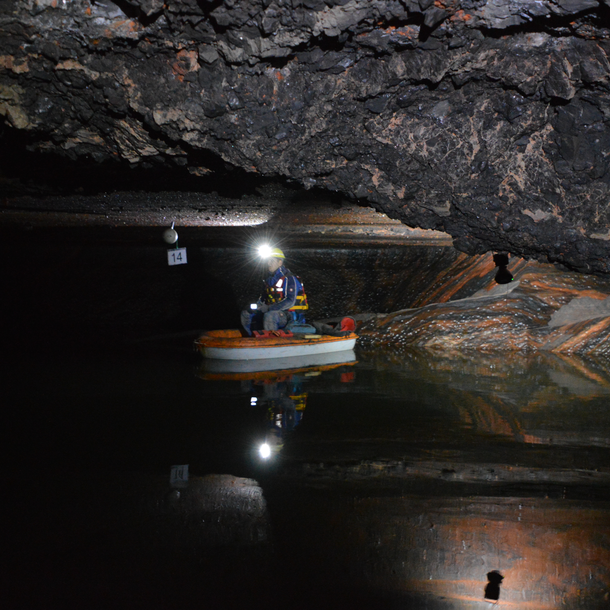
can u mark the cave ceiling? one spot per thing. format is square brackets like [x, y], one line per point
[488, 120]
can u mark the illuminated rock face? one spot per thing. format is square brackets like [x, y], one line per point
[487, 120]
[541, 310]
[436, 552]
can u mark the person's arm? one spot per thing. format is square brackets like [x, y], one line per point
[261, 303]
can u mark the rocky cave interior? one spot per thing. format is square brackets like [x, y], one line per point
[392, 147]
[485, 120]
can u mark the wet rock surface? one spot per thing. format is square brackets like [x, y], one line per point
[542, 309]
[487, 120]
[434, 552]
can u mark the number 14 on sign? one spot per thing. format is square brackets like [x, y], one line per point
[176, 257]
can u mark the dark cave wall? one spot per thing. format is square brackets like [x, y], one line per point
[96, 291]
[488, 120]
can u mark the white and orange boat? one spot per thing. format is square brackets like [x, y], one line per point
[232, 345]
[274, 369]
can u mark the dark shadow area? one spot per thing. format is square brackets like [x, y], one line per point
[24, 172]
[503, 275]
[85, 294]
[492, 589]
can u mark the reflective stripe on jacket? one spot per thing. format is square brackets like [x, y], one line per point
[284, 291]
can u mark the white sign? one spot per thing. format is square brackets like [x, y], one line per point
[179, 475]
[176, 257]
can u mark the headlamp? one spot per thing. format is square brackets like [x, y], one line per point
[264, 251]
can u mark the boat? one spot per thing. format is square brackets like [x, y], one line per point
[232, 345]
[275, 368]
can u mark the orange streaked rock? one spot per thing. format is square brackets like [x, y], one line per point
[514, 317]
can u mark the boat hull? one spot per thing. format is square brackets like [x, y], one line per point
[274, 368]
[230, 345]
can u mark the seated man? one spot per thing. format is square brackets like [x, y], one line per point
[283, 295]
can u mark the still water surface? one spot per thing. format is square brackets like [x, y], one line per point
[395, 481]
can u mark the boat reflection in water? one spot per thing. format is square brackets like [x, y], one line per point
[277, 389]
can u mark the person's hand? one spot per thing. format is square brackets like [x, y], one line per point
[263, 307]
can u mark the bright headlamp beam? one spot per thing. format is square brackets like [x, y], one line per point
[264, 251]
[264, 451]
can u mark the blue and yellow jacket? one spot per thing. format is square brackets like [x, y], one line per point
[284, 291]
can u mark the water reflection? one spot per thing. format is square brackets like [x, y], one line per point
[277, 390]
[462, 416]
[282, 402]
[430, 472]
[402, 482]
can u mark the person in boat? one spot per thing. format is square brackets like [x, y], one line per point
[282, 299]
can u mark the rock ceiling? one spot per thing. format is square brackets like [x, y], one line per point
[485, 119]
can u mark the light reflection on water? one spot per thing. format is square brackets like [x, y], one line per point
[406, 479]
[383, 408]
